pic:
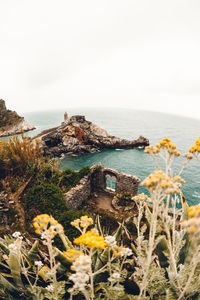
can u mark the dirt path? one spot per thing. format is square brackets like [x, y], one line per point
[103, 201]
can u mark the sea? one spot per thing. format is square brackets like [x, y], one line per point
[130, 124]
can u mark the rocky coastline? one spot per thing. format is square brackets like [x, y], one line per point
[11, 123]
[76, 135]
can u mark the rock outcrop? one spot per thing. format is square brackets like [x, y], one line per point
[76, 135]
[11, 123]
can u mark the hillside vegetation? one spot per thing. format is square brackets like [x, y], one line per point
[160, 262]
[8, 117]
[34, 184]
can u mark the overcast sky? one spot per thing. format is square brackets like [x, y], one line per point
[142, 54]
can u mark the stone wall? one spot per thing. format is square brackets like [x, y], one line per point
[95, 181]
[75, 197]
[124, 182]
[127, 183]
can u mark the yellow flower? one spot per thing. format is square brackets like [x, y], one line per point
[195, 149]
[167, 140]
[47, 226]
[141, 197]
[122, 251]
[192, 229]
[194, 211]
[193, 223]
[151, 149]
[72, 254]
[188, 156]
[83, 222]
[91, 239]
[159, 179]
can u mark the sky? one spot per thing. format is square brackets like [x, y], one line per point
[142, 54]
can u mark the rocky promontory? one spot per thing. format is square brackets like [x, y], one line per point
[76, 135]
[11, 123]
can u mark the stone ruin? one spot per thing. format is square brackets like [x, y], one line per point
[101, 179]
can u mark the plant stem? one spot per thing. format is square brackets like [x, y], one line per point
[151, 245]
[194, 262]
[52, 266]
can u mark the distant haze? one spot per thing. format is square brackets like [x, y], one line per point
[109, 53]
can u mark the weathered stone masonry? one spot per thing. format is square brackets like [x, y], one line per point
[95, 181]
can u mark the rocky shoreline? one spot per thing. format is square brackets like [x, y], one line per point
[76, 135]
[11, 123]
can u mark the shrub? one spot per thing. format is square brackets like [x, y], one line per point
[66, 217]
[84, 171]
[124, 199]
[46, 197]
[18, 153]
[71, 178]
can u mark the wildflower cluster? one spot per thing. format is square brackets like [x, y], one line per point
[47, 226]
[196, 148]
[193, 222]
[91, 239]
[124, 196]
[159, 179]
[83, 260]
[110, 241]
[142, 197]
[72, 254]
[151, 149]
[188, 156]
[83, 223]
[122, 251]
[81, 266]
[164, 144]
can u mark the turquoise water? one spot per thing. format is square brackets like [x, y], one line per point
[130, 124]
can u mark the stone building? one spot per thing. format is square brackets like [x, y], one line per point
[101, 179]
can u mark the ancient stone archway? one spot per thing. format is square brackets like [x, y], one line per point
[110, 182]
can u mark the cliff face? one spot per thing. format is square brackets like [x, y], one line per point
[77, 135]
[11, 122]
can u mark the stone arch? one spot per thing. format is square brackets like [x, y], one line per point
[110, 181]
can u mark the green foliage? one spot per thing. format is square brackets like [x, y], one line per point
[71, 178]
[55, 275]
[124, 198]
[84, 171]
[48, 198]
[66, 217]
[45, 198]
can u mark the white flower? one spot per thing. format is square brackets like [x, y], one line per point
[126, 252]
[46, 235]
[79, 280]
[82, 264]
[50, 288]
[38, 264]
[110, 240]
[17, 235]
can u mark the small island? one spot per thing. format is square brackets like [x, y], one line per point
[11, 123]
[76, 135]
